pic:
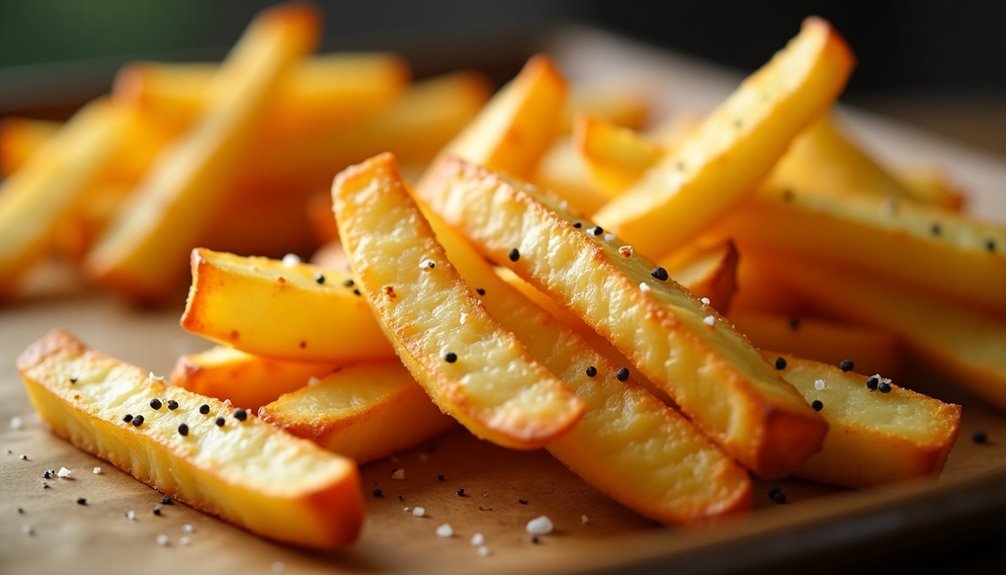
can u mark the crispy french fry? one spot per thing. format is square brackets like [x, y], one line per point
[873, 437]
[691, 187]
[144, 251]
[247, 380]
[964, 343]
[44, 193]
[285, 299]
[928, 248]
[329, 90]
[247, 472]
[562, 172]
[716, 377]
[472, 368]
[871, 350]
[364, 412]
[19, 138]
[615, 156]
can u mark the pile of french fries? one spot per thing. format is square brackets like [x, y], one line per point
[667, 312]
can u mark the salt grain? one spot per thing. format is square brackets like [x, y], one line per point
[644, 287]
[291, 259]
[445, 531]
[131, 515]
[163, 540]
[63, 472]
[27, 530]
[478, 539]
[484, 551]
[313, 380]
[96, 471]
[188, 528]
[16, 422]
[540, 525]
[419, 512]
[609, 237]
[705, 301]
[819, 384]
[709, 320]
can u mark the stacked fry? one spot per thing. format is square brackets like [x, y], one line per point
[572, 292]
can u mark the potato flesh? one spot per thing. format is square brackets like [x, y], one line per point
[287, 301]
[662, 330]
[249, 473]
[493, 387]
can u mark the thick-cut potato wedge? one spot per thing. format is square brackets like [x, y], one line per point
[19, 138]
[873, 437]
[365, 412]
[711, 371]
[928, 248]
[964, 343]
[516, 127]
[43, 194]
[735, 147]
[270, 308]
[246, 380]
[615, 156]
[247, 472]
[472, 368]
[872, 350]
[330, 90]
[144, 251]
[562, 172]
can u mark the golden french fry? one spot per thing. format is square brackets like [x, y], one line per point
[365, 412]
[144, 251]
[37, 199]
[246, 380]
[735, 147]
[244, 471]
[871, 350]
[873, 437]
[287, 298]
[615, 156]
[715, 376]
[19, 138]
[928, 248]
[472, 368]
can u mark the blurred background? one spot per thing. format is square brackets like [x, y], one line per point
[940, 65]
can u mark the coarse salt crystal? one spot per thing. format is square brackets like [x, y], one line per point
[27, 530]
[644, 287]
[445, 531]
[709, 320]
[427, 264]
[163, 540]
[484, 551]
[131, 515]
[16, 422]
[313, 380]
[278, 567]
[478, 539]
[398, 474]
[540, 525]
[185, 540]
[609, 237]
[705, 301]
[819, 384]
[419, 511]
[188, 528]
[63, 472]
[96, 470]
[291, 259]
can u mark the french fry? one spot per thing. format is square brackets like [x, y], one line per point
[46, 191]
[365, 412]
[873, 437]
[19, 138]
[286, 299]
[691, 187]
[246, 380]
[472, 368]
[330, 90]
[928, 248]
[143, 253]
[615, 156]
[245, 471]
[716, 377]
[963, 343]
[759, 291]
[870, 349]
[562, 172]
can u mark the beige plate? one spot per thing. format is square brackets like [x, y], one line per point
[817, 522]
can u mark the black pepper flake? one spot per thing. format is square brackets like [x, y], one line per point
[872, 382]
[73, 379]
[461, 491]
[440, 477]
[794, 323]
[128, 417]
[137, 421]
[356, 292]
[787, 195]
[514, 255]
[157, 511]
[990, 245]
[46, 486]
[377, 492]
[240, 414]
[980, 437]
[183, 429]
[780, 363]
[534, 539]
[773, 490]
[220, 421]
[884, 387]
[450, 357]
[20, 510]
[817, 404]
[319, 278]
[480, 291]
[577, 225]
[935, 229]
[400, 498]
[204, 409]
[81, 501]
[591, 371]
[172, 404]
[597, 230]
[522, 501]
[846, 365]
[155, 403]
[659, 273]
[779, 497]
[167, 500]
[622, 374]
[349, 283]
[47, 474]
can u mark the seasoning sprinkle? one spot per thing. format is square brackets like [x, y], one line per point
[356, 292]
[419, 511]
[128, 417]
[534, 539]
[73, 379]
[24, 457]
[204, 409]
[167, 500]
[794, 323]
[872, 382]
[819, 384]
[644, 287]
[659, 273]
[188, 528]
[622, 374]
[522, 501]
[540, 525]
[183, 429]
[990, 245]
[884, 387]
[609, 237]
[440, 477]
[705, 301]
[16, 423]
[319, 278]
[709, 320]
[27, 530]
[846, 365]
[577, 225]
[461, 492]
[96, 470]
[131, 515]
[817, 404]
[155, 403]
[980, 437]
[591, 371]
[137, 421]
[625, 251]
[157, 510]
[163, 540]
[220, 421]
[780, 363]
[349, 282]
[48, 473]
[514, 255]
[445, 531]
[240, 414]
[172, 404]
[480, 291]
[450, 357]
[478, 539]
[378, 492]
[81, 501]
[484, 551]
[935, 229]
[427, 264]
[291, 259]
[597, 230]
